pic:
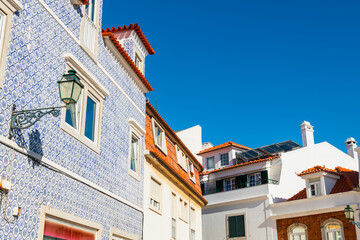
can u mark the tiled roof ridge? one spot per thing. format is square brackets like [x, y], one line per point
[138, 31]
[241, 164]
[318, 168]
[175, 135]
[128, 59]
[198, 193]
[227, 144]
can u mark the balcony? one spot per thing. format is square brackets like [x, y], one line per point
[239, 186]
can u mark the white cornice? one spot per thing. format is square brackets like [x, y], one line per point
[14, 5]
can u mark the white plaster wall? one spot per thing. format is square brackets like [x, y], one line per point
[192, 138]
[303, 158]
[158, 226]
[258, 225]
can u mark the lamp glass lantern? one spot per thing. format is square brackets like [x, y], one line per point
[70, 87]
[349, 213]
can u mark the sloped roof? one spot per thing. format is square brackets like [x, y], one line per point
[224, 145]
[349, 179]
[127, 58]
[318, 169]
[138, 31]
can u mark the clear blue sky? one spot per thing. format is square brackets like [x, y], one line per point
[251, 71]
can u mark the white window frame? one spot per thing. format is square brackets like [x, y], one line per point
[191, 171]
[83, 44]
[294, 225]
[116, 234]
[184, 206]
[315, 182]
[137, 131]
[257, 176]
[162, 147]
[192, 220]
[7, 8]
[227, 159]
[140, 66]
[48, 212]
[151, 206]
[92, 88]
[332, 221]
[227, 226]
[174, 216]
[225, 186]
[207, 166]
[181, 158]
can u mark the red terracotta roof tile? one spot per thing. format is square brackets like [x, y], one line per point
[300, 195]
[170, 159]
[240, 164]
[85, 2]
[224, 145]
[138, 31]
[127, 58]
[318, 169]
[349, 179]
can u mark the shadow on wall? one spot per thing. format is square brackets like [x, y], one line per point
[35, 145]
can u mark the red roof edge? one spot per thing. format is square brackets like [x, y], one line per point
[138, 31]
[300, 195]
[224, 145]
[127, 58]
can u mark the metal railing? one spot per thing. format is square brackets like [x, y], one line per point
[239, 186]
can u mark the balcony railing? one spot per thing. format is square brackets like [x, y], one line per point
[89, 36]
[239, 186]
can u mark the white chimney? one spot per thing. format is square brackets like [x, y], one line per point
[307, 133]
[358, 154]
[350, 146]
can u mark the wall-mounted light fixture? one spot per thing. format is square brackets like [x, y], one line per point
[70, 89]
[349, 215]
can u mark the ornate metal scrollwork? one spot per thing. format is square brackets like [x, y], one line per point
[26, 118]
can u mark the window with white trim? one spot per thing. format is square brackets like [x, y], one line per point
[224, 158]
[315, 187]
[116, 234]
[191, 171]
[192, 223]
[138, 62]
[83, 119]
[173, 215]
[55, 224]
[254, 179]
[181, 158]
[7, 9]
[210, 162]
[89, 27]
[155, 195]
[183, 210]
[333, 230]
[297, 231]
[159, 136]
[235, 226]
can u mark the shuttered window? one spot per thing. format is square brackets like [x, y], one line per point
[264, 177]
[155, 194]
[219, 186]
[236, 226]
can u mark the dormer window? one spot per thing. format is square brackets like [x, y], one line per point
[159, 136]
[89, 28]
[315, 187]
[138, 62]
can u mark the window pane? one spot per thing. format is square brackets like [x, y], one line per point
[210, 162]
[298, 230]
[90, 10]
[134, 153]
[72, 116]
[224, 159]
[173, 228]
[90, 119]
[53, 230]
[192, 234]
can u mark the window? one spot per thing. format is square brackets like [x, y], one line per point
[297, 231]
[210, 163]
[83, 119]
[155, 195]
[55, 224]
[173, 215]
[159, 136]
[89, 27]
[134, 153]
[228, 184]
[138, 62]
[254, 179]
[191, 170]
[136, 133]
[236, 227]
[224, 158]
[7, 9]
[315, 187]
[183, 210]
[332, 229]
[192, 223]
[181, 158]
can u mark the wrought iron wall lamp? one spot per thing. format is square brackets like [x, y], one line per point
[70, 89]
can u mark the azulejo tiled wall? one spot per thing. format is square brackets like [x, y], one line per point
[35, 63]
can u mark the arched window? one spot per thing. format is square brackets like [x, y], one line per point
[297, 231]
[332, 229]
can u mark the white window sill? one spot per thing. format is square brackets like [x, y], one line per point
[84, 140]
[183, 219]
[155, 210]
[134, 175]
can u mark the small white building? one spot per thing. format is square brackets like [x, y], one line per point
[241, 185]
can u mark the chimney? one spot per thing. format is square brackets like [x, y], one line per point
[358, 154]
[307, 133]
[350, 146]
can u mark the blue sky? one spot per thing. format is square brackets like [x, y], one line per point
[251, 71]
